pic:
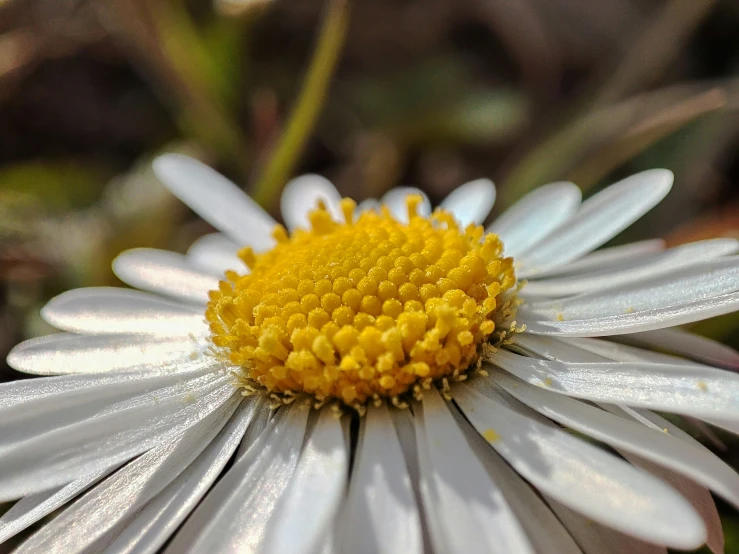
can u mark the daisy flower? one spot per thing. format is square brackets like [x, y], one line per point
[383, 378]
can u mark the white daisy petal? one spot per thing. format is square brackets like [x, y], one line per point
[630, 437]
[535, 216]
[633, 322]
[395, 200]
[726, 424]
[380, 514]
[369, 204]
[302, 194]
[691, 284]
[653, 421]
[304, 515]
[109, 310]
[58, 454]
[471, 202]
[704, 431]
[154, 524]
[600, 218]
[700, 428]
[698, 390]
[73, 401]
[690, 345]
[697, 495]
[30, 509]
[555, 348]
[215, 253]
[581, 476]
[465, 510]
[543, 529]
[597, 539]
[583, 350]
[405, 427]
[621, 352]
[164, 272]
[614, 257]
[233, 516]
[125, 492]
[216, 199]
[68, 353]
[612, 278]
[259, 423]
[21, 401]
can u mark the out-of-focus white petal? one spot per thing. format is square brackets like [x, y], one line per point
[697, 390]
[597, 539]
[216, 199]
[164, 272]
[580, 475]
[126, 491]
[68, 353]
[233, 516]
[215, 253]
[599, 219]
[465, 510]
[30, 509]
[694, 493]
[109, 310]
[632, 322]
[395, 200]
[380, 513]
[21, 401]
[370, 204]
[302, 194]
[690, 345]
[617, 278]
[471, 202]
[149, 528]
[535, 216]
[56, 453]
[630, 437]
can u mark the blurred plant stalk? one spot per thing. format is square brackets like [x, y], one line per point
[302, 120]
[194, 78]
[603, 130]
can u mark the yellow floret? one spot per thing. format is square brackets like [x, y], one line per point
[366, 309]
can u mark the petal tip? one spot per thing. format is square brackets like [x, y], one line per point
[15, 357]
[660, 178]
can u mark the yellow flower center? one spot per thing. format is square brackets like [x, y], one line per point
[364, 310]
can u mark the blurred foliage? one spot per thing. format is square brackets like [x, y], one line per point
[370, 93]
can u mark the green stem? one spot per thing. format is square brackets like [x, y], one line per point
[309, 104]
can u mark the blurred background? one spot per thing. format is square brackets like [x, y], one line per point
[369, 93]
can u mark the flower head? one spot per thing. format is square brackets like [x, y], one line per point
[459, 376]
[367, 308]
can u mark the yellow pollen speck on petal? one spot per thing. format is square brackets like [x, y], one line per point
[491, 436]
[702, 386]
[367, 309]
